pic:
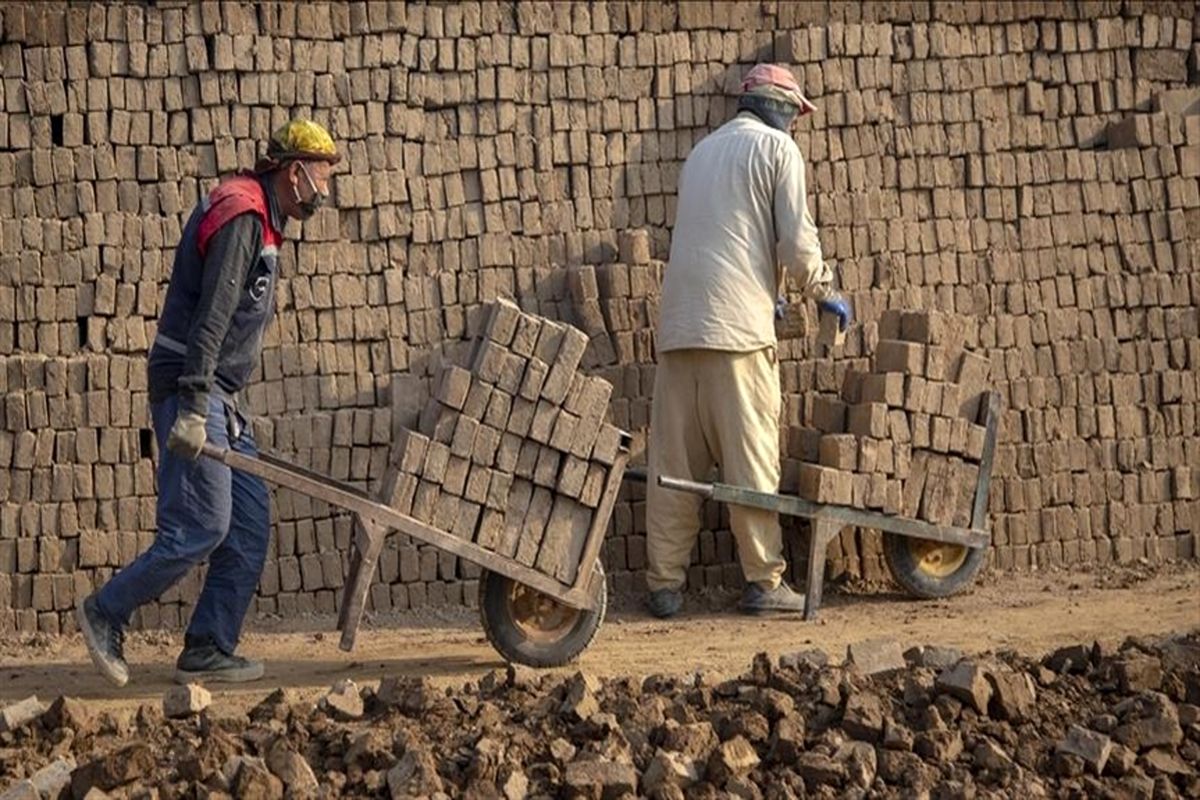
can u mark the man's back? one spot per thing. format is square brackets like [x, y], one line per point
[737, 184]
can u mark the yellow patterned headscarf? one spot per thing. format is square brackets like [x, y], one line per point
[298, 140]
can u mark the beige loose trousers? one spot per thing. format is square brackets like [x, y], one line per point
[713, 407]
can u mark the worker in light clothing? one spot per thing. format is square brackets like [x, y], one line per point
[741, 227]
[209, 340]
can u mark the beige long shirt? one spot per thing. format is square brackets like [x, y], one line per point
[742, 223]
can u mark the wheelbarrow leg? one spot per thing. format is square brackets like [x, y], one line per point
[821, 533]
[364, 554]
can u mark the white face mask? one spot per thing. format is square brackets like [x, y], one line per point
[313, 204]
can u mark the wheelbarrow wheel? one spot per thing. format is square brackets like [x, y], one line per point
[929, 569]
[531, 628]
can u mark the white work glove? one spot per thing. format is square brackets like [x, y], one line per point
[187, 435]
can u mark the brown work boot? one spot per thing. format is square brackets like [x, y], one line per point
[780, 600]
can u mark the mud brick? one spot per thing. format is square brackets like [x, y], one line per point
[514, 517]
[544, 418]
[439, 424]
[968, 478]
[453, 387]
[581, 282]
[520, 419]
[971, 377]
[527, 459]
[572, 477]
[478, 397]
[950, 402]
[914, 393]
[593, 409]
[545, 473]
[534, 378]
[409, 452]
[499, 486]
[939, 362]
[464, 436]
[839, 451]
[941, 492]
[487, 441]
[608, 444]
[976, 435]
[859, 484]
[593, 485]
[1181, 482]
[959, 430]
[876, 491]
[898, 427]
[868, 455]
[563, 435]
[498, 408]
[549, 341]
[424, 501]
[933, 397]
[491, 528]
[436, 459]
[525, 337]
[920, 425]
[466, 520]
[940, 432]
[825, 485]
[890, 323]
[479, 478]
[634, 246]
[897, 356]
[534, 526]
[830, 333]
[398, 490]
[828, 415]
[883, 388]
[914, 485]
[894, 497]
[507, 452]
[792, 323]
[852, 383]
[445, 511]
[511, 373]
[932, 327]
[901, 459]
[868, 419]
[455, 479]
[502, 322]
[489, 361]
[566, 362]
[885, 457]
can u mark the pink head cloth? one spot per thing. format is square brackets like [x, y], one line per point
[762, 76]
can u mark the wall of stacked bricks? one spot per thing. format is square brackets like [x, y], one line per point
[1029, 166]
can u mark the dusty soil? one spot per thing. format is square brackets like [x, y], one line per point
[1031, 614]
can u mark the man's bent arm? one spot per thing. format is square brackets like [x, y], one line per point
[798, 248]
[231, 252]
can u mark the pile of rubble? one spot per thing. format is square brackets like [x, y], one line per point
[1082, 722]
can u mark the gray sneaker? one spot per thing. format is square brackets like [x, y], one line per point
[105, 642]
[780, 600]
[664, 603]
[198, 663]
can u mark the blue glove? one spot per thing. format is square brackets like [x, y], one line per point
[780, 307]
[836, 303]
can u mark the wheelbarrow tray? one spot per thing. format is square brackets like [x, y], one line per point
[374, 519]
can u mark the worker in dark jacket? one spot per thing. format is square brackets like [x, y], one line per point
[219, 302]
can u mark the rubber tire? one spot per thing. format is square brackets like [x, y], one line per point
[910, 577]
[510, 643]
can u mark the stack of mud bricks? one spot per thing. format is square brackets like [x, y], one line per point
[904, 438]
[514, 453]
[967, 157]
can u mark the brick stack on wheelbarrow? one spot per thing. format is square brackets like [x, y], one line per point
[904, 438]
[513, 451]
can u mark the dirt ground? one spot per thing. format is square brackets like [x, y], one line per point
[1027, 613]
